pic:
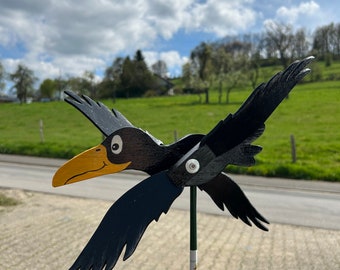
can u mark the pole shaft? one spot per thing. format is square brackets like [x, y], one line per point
[193, 227]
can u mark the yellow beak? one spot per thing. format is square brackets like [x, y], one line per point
[91, 163]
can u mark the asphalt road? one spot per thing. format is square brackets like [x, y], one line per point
[313, 204]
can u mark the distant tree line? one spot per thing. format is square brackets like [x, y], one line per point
[130, 77]
[224, 64]
[235, 60]
[125, 77]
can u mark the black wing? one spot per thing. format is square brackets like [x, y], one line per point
[106, 120]
[234, 129]
[225, 192]
[126, 221]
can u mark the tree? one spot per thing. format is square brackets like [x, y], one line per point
[61, 85]
[136, 78]
[322, 40]
[254, 58]
[23, 79]
[254, 69]
[112, 79]
[201, 61]
[76, 84]
[89, 84]
[127, 76]
[2, 77]
[236, 74]
[47, 88]
[202, 68]
[83, 85]
[160, 68]
[337, 40]
[300, 44]
[279, 37]
[221, 62]
[139, 57]
[187, 74]
[114, 71]
[326, 43]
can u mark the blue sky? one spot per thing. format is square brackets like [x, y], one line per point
[66, 38]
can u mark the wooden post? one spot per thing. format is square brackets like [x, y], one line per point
[193, 228]
[293, 148]
[175, 135]
[41, 128]
[206, 91]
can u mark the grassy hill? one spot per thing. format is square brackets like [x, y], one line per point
[311, 114]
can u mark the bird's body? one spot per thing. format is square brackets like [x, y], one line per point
[128, 147]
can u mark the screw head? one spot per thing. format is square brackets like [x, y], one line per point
[192, 166]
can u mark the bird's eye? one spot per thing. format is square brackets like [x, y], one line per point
[116, 144]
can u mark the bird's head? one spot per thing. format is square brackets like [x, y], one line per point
[126, 148]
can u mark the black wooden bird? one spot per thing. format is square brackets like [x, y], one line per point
[128, 147]
[194, 160]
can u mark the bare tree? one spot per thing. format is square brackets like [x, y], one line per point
[160, 68]
[279, 37]
[300, 44]
[337, 39]
[321, 43]
[326, 41]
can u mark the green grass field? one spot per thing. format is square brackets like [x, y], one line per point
[311, 114]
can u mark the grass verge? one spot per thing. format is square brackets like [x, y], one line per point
[311, 114]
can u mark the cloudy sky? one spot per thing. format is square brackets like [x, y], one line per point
[67, 37]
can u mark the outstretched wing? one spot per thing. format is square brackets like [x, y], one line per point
[231, 140]
[225, 192]
[126, 221]
[234, 129]
[106, 120]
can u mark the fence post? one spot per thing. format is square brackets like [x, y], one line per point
[175, 135]
[41, 128]
[293, 148]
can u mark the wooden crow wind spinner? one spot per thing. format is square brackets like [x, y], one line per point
[195, 160]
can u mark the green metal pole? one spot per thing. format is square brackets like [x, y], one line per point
[193, 228]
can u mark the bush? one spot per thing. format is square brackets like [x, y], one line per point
[316, 73]
[328, 60]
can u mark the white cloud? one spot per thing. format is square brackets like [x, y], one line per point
[71, 37]
[293, 13]
[168, 16]
[222, 17]
[308, 15]
[11, 64]
[173, 60]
